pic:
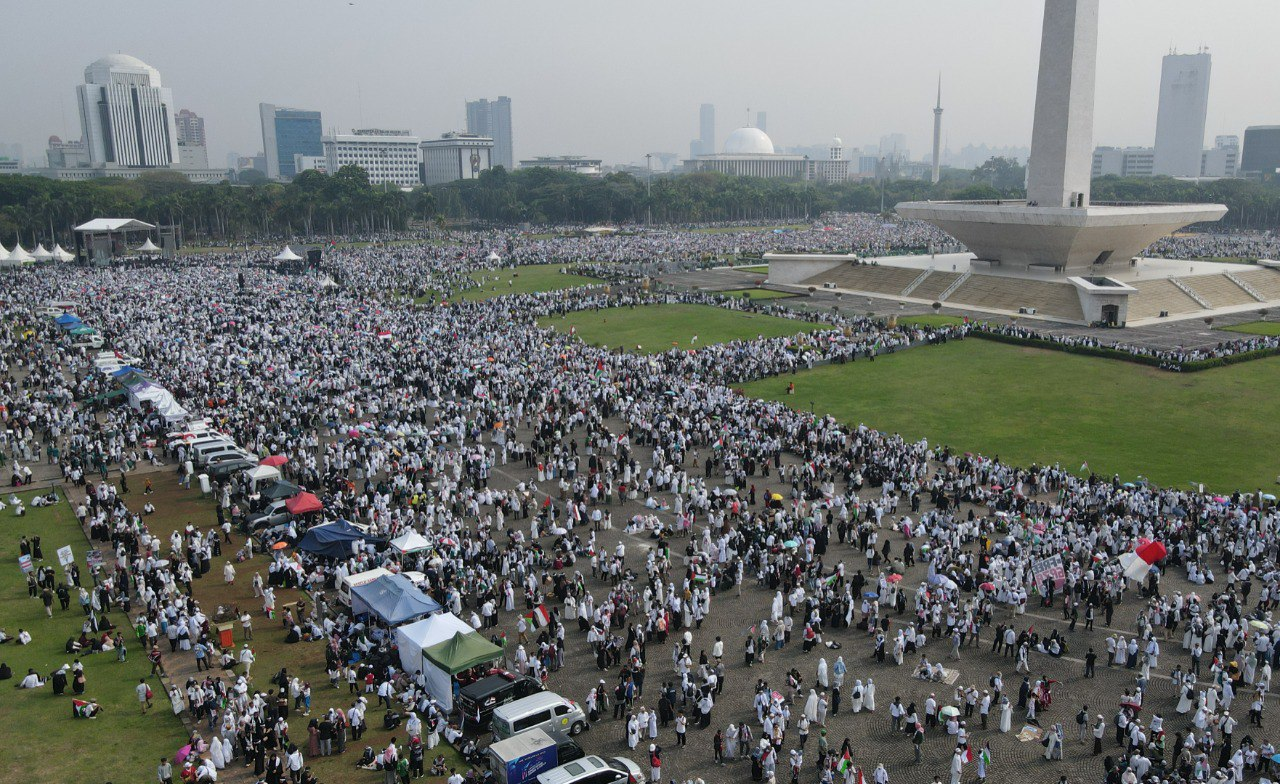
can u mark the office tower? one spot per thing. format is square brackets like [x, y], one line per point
[707, 129]
[762, 121]
[1184, 104]
[1261, 150]
[288, 132]
[190, 128]
[126, 114]
[386, 156]
[493, 120]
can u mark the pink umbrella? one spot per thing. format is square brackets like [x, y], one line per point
[275, 461]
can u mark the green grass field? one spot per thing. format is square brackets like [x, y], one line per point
[40, 735]
[1268, 328]
[761, 269]
[1025, 405]
[528, 279]
[656, 328]
[759, 293]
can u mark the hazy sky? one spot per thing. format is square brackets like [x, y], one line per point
[617, 80]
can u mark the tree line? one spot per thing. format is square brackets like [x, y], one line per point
[36, 209]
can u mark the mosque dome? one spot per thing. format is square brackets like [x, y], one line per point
[748, 141]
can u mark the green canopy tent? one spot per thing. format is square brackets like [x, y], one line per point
[461, 652]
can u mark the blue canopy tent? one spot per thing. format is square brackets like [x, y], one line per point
[333, 540]
[393, 598]
[68, 321]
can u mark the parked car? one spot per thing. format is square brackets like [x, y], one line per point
[477, 700]
[545, 710]
[594, 770]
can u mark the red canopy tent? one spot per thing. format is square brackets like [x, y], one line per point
[275, 461]
[303, 503]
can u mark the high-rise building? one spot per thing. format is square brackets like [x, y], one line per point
[1261, 150]
[455, 156]
[288, 132]
[190, 128]
[127, 114]
[386, 156]
[1184, 105]
[493, 119]
[707, 129]
[762, 121]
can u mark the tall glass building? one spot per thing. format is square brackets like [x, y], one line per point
[493, 119]
[288, 132]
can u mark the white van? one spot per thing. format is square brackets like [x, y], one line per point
[360, 578]
[201, 452]
[546, 711]
[91, 342]
[57, 308]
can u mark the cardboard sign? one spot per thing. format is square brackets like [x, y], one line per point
[1051, 568]
[24, 563]
[65, 556]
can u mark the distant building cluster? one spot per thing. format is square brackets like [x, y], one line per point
[129, 126]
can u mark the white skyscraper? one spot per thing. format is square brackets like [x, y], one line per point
[126, 114]
[1184, 105]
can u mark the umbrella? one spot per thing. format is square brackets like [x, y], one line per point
[790, 543]
[280, 545]
[1260, 625]
[1268, 497]
[871, 594]
[988, 586]
[949, 710]
[447, 542]
[776, 496]
[893, 578]
[275, 461]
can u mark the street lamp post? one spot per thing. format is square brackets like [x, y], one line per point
[648, 188]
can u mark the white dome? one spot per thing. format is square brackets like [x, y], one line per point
[836, 142]
[101, 71]
[749, 141]
[120, 61]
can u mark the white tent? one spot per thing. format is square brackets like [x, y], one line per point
[287, 255]
[493, 256]
[261, 475]
[148, 247]
[411, 542]
[411, 639]
[4, 254]
[61, 255]
[41, 253]
[19, 256]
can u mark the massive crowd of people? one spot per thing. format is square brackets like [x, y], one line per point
[511, 446]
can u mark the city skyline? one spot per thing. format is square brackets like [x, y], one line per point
[649, 104]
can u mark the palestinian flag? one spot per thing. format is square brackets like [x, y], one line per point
[968, 754]
[845, 763]
[538, 616]
[384, 334]
[986, 757]
[700, 578]
[830, 581]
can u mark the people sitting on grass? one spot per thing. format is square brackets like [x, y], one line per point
[30, 681]
[85, 709]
